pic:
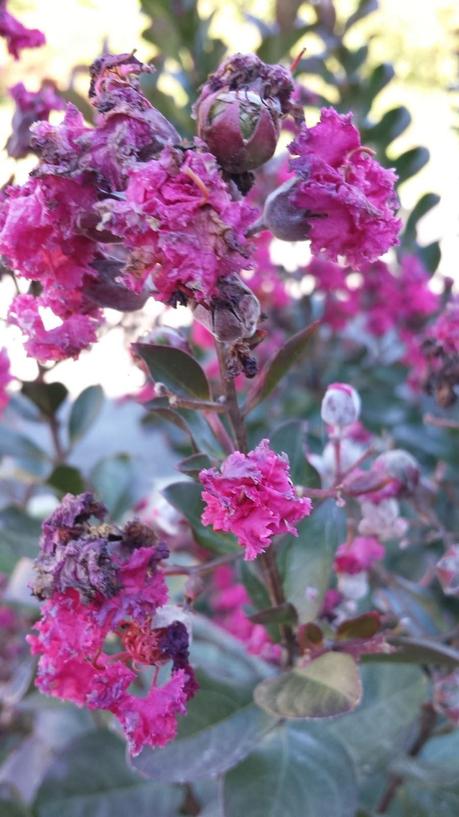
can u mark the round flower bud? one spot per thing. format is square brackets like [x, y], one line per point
[401, 466]
[240, 129]
[234, 311]
[447, 570]
[340, 405]
[283, 217]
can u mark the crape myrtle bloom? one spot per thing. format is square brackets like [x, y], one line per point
[252, 496]
[31, 106]
[5, 379]
[441, 353]
[341, 199]
[183, 229]
[239, 111]
[101, 582]
[17, 36]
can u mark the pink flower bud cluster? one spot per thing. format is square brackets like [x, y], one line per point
[100, 582]
[17, 36]
[252, 496]
[340, 406]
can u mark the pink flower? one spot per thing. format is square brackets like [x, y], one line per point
[74, 334]
[446, 329]
[18, 36]
[182, 227]
[358, 555]
[5, 378]
[253, 497]
[106, 584]
[342, 200]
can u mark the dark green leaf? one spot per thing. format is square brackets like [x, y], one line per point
[291, 353]
[289, 439]
[179, 372]
[364, 626]
[326, 687]
[292, 774]
[423, 206]
[379, 78]
[67, 480]
[85, 411]
[277, 45]
[307, 560]
[430, 255]
[410, 163]
[378, 728]
[28, 455]
[194, 464]
[19, 535]
[282, 614]
[364, 8]
[90, 778]
[391, 125]
[46, 396]
[419, 651]
[112, 480]
[186, 498]
[13, 808]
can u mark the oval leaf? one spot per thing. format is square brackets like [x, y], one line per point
[186, 498]
[176, 369]
[328, 686]
[85, 411]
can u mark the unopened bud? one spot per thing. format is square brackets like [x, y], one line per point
[340, 405]
[401, 466]
[234, 313]
[447, 570]
[283, 217]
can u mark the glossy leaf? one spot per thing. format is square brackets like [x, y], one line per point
[186, 498]
[326, 687]
[292, 773]
[289, 439]
[291, 353]
[28, 455]
[391, 125]
[194, 464]
[91, 777]
[307, 560]
[179, 372]
[46, 396]
[19, 535]
[85, 411]
[112, 480]
[423, 206]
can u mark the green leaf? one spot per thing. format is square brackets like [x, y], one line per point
[364, 8]
[377, 730]
[28, 455]
[19, 535]
[307, 560]
[423, 206]
[194, 464]
[67, 480]
[418, 651]
[282, 614]
[85, 411]
[186, 498]
[291, 353]
[46, 396]
[326, 687]
[390, 126]
[430, 255]
[276, 45]
[363, 626]
[179, 372]
[112, 479]
[410, 163]
[289, 439]
[210, 750]
[91, 778]
[292, 774]
[13, 808]
[378, 79]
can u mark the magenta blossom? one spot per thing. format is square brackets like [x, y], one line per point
[5, 378]
[17, 36]
[31, 106]
[182, 227]
[253, 497]
[341, 199]
[358, 555]
[102, 583]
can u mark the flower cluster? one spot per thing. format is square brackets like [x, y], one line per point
[440, 356]
[253, 497]
[17, 36]
[340, 199]
[99, 581]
